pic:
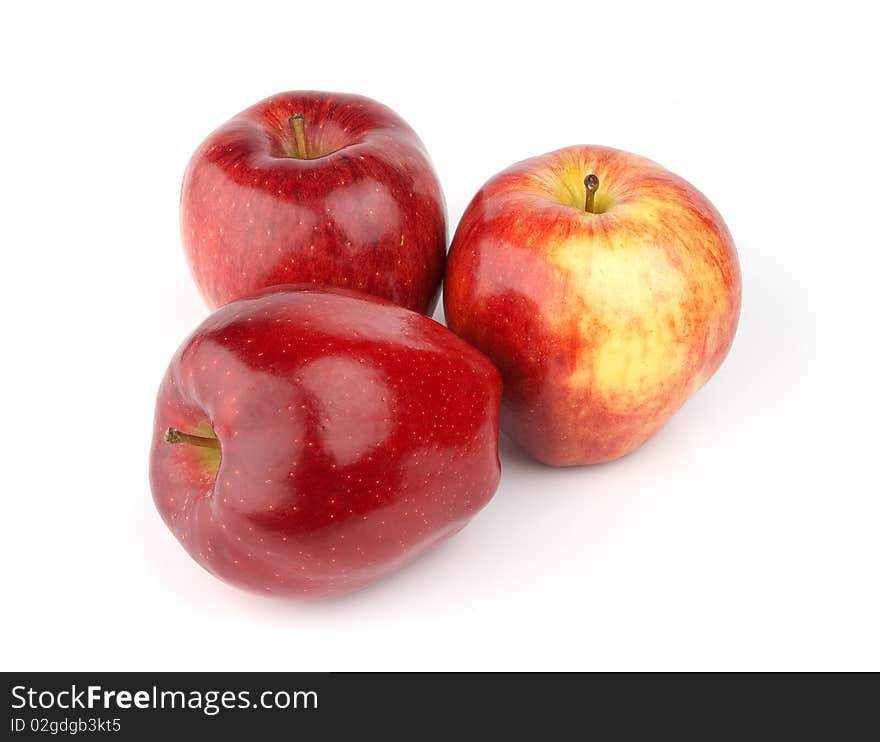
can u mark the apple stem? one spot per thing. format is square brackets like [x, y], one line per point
[172, 435]
[591, 182]
[298, 124]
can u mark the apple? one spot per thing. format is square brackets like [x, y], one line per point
[308, 442]
[321, 188]
[606, 290]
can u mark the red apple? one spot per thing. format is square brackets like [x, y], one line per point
[320, 188]
[310, 442]
[605, 289]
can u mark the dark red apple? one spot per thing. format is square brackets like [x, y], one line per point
[321, 188]
[310, 442]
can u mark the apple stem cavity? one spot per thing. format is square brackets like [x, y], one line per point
[172, 435]
[591, 183]
[298, 124]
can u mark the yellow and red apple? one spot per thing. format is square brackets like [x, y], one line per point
[605, 288]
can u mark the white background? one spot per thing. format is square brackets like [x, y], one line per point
[745, 535]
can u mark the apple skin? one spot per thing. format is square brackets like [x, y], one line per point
[602, 324]
[367, 214]
[354, 434]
